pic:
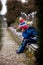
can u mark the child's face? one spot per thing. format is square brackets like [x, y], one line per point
[23, 30]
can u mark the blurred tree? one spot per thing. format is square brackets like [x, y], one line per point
[15, 7]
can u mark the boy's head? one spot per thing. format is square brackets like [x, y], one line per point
[21, 20]
[23, 26]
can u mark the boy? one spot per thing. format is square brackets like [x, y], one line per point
[29, 36]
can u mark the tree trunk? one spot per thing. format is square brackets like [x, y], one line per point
[39, 56]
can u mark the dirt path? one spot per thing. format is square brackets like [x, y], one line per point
[8, 54]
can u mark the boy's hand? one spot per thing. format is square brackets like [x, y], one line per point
[24, 39]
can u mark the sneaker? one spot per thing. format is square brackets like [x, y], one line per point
[18, 52]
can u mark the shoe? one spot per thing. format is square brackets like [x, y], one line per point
[18, 52]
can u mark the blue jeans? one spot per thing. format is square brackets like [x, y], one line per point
[24, 43]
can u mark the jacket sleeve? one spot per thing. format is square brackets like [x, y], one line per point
[27, 34]
[24, 35]
[34, 32]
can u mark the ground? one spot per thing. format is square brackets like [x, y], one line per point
[8, 55]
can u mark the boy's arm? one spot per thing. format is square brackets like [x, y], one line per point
[27, 34]
[34, 32]
[24, 35]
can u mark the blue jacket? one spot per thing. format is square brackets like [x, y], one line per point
[29, 33]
